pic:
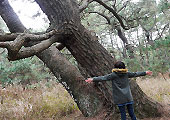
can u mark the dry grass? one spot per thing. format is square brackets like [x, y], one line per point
[40, 102]
[36, 103]
[156, 88]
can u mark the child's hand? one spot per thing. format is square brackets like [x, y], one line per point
[149, 72]
[89, 80]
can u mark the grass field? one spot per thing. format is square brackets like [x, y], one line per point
[156, 88]
[49, 100]
[42, 101]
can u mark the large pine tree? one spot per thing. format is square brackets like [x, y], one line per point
[92, 100]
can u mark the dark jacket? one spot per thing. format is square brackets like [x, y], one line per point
[120, 85]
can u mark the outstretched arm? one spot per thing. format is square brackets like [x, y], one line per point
[138, 74]
[102, 78]
[89, 80]
[149, 72]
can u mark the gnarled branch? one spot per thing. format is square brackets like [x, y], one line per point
[113, 12]
[33, 37]
[33, 50]
[17, 51]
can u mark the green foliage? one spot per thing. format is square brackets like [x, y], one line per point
[24, 71]
[157, 60]
[162, 42]
[133, 64]
[164, 5]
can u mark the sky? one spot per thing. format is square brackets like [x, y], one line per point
[25, 10]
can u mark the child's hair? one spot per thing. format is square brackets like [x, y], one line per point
[120, 65]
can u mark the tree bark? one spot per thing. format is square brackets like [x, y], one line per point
[6, 12]
[83, 46]
[83, 94]
[91, 55]
[89, 104]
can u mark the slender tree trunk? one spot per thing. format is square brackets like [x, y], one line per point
[112, 44]
[140, 51]
[127, 46]
[124, 51]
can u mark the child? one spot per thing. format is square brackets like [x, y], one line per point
[121, 90]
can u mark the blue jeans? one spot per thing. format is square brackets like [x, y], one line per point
[130, 111]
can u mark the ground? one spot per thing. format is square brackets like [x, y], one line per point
[79, 116]
[50, 101]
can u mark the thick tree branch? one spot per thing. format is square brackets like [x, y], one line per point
[30, 36]
[33, 50]
[114, 13]
[8, 37]
[6, 12]
[4, 44]
[14, 47]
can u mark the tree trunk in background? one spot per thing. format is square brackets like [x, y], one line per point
[127, 46]
[63, 15]
[140, 51]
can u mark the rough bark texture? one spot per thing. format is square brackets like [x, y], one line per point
[90, 54]
[6, 12]
[84, 95]
[89, 104]
[83, 46]
[63, 14]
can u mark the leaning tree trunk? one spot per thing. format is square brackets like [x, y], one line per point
[84, 95]
[63, 14]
